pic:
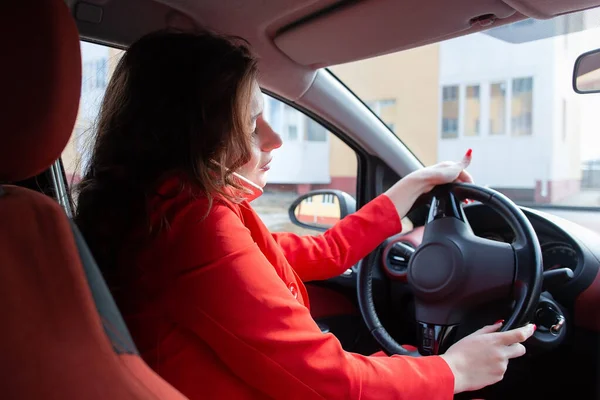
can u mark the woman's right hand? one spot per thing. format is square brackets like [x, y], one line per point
[481, 359]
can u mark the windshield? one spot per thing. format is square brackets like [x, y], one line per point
[505, 93]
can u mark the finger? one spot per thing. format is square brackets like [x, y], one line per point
[515, 350]
[489, 328]
[466, 161]
[465, 177]
[518, 335]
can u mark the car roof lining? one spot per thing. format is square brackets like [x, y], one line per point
[294, 38]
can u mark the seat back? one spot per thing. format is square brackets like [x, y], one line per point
[62, 335]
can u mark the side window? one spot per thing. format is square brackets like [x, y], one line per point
[498, 108]
[522, 108]
[310, 158]
[450, 112]
[98, 63]
[386, 110]
[472, 111]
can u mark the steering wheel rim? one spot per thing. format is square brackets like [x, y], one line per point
[460, 251]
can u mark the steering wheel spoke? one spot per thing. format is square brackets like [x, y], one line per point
[435, 339]
[453, 271]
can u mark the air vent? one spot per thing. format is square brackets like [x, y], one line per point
[398, 257]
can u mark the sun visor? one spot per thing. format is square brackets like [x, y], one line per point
[363, 29]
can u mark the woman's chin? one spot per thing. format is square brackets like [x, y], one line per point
[261, 183]
[261, 179]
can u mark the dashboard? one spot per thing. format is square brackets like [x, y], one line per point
[564, 245]
[558, 251]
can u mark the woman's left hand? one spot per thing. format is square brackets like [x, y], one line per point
[406, 191]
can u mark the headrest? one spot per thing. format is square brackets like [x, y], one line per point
[41, 83]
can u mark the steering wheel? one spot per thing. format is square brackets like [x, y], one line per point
[453, 271]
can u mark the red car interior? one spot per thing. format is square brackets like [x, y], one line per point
[66, 338]
[63, 335]
[587, 310]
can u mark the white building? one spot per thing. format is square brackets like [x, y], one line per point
[304, 156]
[513, 104]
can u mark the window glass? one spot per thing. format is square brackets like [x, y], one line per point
[522, 106]
[98, 64]
[386, 110]
[506, 93]
[314, 131]
[450, 112]
[472, 111]
[316, 160]
[311, 158]
[498, 108]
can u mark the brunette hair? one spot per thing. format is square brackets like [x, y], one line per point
[176, 103]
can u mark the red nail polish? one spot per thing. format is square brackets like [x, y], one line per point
[500, 321]
[534, 327]
[469, 152]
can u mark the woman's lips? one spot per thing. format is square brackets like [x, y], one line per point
[266, 166]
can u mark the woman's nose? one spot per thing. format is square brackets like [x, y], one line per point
[269, 139]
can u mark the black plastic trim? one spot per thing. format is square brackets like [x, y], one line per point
[110, 317]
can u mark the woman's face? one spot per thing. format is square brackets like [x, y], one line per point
[264, 140]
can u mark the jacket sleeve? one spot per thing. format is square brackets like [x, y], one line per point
[229, 296]
[342, 246]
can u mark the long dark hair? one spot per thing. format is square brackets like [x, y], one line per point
[176, 102]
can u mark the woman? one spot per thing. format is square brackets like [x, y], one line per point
[215, 302]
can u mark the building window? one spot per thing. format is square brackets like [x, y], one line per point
[95, 75]
[498, 108]
[386, 110]
[472, 110]
[292, 132]
[315, 132]
[290, 121]
[88, 75]
[273, 113]
[101, 74]
[328, 199]
[450, 125]
[450, 112]
[522, 107]
[450, 93]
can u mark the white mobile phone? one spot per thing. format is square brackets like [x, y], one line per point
[248, 184]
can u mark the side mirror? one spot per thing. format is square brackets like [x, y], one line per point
[321, 209]
[586, 74]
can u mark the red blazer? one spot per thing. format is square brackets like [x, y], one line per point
[217, 307]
